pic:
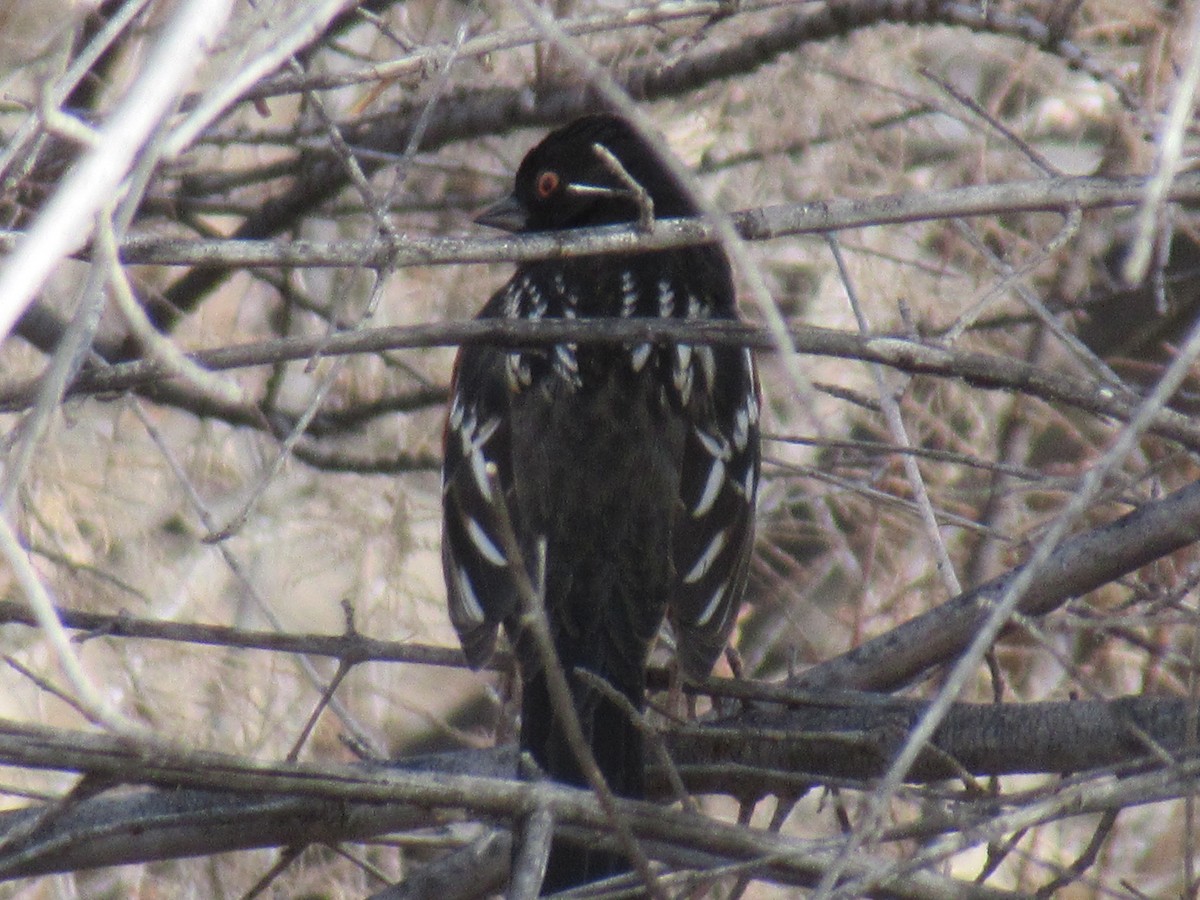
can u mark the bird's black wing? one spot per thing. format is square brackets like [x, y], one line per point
[713, 530]
[477, 477]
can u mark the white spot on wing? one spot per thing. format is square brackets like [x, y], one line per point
[716, 447]
[468, 602]
[666, 299]
[468, 423]
[707, 558]
[566, 363]
[629, 294]
[484, 544]
[484, 434]
[741, 428]
[708, 364]
[535, 307]
[746, 486]
[479, 470]
[683, 355]
[474, 436]
[512, 300]
[517, 372]
[639, 356]
[711, 607]
[683, 372]
[712, 487]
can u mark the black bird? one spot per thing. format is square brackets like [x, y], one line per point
[636, 466]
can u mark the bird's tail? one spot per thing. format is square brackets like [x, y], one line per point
[616, 744]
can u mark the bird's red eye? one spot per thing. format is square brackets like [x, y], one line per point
[547, 184]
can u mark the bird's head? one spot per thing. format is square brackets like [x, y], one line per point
[587, 173]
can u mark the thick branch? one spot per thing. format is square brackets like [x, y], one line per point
[842, 737]
[855, 737]
[1081, 564]
[673, 834]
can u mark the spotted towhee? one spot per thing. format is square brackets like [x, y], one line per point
[635, 468]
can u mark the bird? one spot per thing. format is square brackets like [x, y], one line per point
[627, 475]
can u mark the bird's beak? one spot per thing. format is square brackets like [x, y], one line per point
[508, 215]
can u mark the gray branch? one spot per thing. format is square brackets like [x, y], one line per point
[761, 224]
[777, 750]
[980, 370]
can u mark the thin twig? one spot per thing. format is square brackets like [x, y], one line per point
[87, 696]
[895, 423]
[1150, 216]
[157, 346]
[352, 648]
